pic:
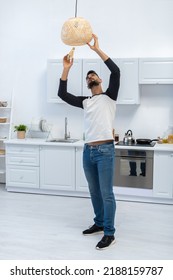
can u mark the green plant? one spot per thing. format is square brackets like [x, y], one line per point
[20, 127]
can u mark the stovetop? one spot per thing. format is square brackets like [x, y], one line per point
[121, 143]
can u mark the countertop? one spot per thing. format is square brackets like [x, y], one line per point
[80, 143]
[39, 141]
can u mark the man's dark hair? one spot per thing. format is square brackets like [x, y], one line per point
[91, 72]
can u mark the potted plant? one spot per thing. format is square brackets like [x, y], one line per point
[21, 130]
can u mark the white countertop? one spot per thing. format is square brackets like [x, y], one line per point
[80, 143]
[39, 141]
[156, 147]
[129, 147]
[163, 147]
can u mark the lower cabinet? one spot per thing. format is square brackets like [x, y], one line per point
[22, 166]
[23, 176]
[163, 175]
[57, 168]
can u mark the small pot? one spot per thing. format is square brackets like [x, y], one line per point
[21, 134]
[145, 141]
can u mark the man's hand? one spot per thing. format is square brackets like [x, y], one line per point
[95, 45]
[67, 63]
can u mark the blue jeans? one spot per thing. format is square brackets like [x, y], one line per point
[98, 164]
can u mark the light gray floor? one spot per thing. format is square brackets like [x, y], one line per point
[36, 227]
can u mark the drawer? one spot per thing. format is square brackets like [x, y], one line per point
[22, 155]
[23, 159]
[22, 149]
[26, 176]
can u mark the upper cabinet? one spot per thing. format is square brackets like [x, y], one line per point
[134, 71]
[129, 84]
[156, 70]
[128, 92]
[54, 71]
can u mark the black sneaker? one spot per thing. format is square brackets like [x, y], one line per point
[105, 242]
[93, 230]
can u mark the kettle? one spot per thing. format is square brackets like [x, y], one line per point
[128, 138]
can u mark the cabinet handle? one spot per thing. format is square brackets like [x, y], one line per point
[21, 178]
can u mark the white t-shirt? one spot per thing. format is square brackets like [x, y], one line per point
[99, 114]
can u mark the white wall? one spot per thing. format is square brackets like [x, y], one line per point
[30, 33]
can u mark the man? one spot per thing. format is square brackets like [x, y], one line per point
[99, 151]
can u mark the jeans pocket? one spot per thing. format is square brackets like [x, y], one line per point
[107, 150]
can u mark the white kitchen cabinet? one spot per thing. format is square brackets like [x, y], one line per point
[54, 71]
[22, 176]
[81, 182]
[22, 166]
[156, 70]
[57, 168]
[163, 175]
[129, 85]
[47, 168]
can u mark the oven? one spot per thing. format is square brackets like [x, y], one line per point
[134, 168]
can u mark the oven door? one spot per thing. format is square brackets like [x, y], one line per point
[134, 168]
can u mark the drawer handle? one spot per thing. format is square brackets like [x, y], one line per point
[21, 178]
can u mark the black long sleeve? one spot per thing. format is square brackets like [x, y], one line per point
[114, 81]
[68, 97]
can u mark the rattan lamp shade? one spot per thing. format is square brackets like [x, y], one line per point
[76, 32]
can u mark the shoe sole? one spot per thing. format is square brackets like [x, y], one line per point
[94, 233]
[112, 243]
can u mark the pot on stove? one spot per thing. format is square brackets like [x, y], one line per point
[128, 138]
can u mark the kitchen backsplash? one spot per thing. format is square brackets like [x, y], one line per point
[152, 117]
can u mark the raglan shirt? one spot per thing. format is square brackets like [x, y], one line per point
[99, 110]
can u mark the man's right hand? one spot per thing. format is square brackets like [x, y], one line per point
[67, 63]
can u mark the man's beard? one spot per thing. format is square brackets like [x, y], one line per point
[93, 84]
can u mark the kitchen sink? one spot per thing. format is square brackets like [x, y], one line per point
[58, 140]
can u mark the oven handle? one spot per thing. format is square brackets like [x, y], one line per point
[132, 158]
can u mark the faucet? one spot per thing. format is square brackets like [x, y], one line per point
[66, 135]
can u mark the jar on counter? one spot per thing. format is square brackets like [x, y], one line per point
[170, 138]
[168, 135]
[115, 135]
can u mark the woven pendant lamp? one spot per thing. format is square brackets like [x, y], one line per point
[76, 31]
